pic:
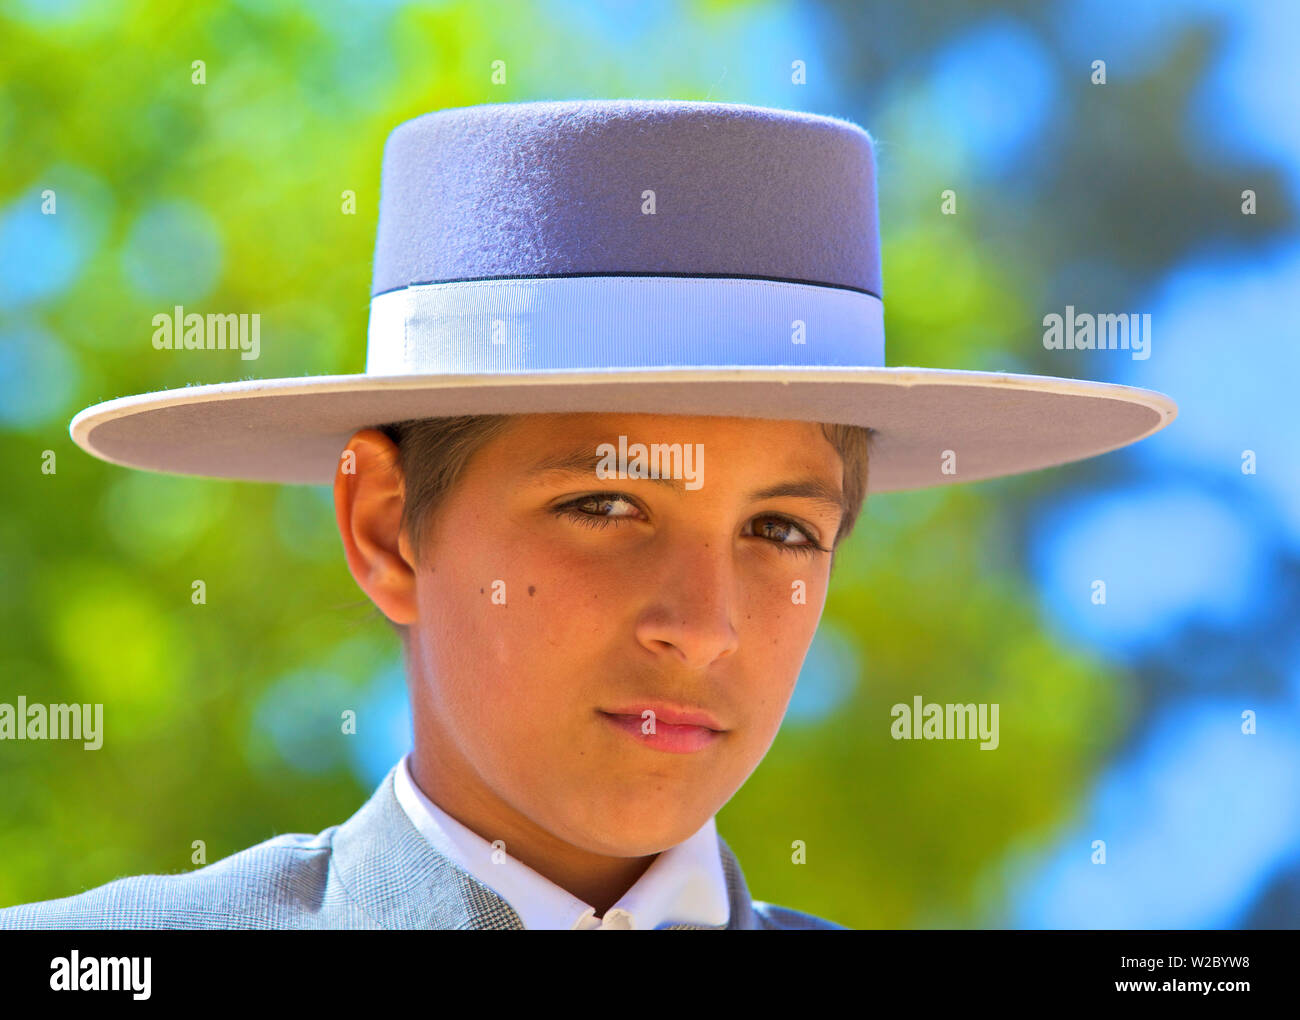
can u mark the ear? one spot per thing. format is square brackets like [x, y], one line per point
[369, 494]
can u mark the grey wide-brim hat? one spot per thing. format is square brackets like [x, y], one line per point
[638, 256]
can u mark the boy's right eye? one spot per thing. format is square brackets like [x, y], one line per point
[587, 510]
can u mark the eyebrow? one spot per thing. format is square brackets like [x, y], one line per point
[584, 462]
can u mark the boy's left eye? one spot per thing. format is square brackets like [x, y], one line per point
[775, 530]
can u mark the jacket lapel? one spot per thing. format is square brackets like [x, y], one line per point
[396, 876]
[742, 907]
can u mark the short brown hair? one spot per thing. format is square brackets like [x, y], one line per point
[434, 451]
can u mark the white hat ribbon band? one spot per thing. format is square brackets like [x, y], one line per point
[617, 322]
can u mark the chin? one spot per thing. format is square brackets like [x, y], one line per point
[640, 844]
[636, 827]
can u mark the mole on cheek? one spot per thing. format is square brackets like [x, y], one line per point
[531, 589]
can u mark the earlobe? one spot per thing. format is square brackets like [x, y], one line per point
[369, 495]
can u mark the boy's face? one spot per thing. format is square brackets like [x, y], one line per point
[539, 610]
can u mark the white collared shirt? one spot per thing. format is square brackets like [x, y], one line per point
[685, 884]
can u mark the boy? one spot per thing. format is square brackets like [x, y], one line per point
[624, 387]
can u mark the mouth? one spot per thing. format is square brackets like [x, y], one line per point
[665, 732]
[672, 715]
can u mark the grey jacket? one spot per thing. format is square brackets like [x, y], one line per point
[374, 871]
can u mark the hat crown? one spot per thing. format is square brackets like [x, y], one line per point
[608, 187]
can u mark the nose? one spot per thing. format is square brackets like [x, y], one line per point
[690, 614]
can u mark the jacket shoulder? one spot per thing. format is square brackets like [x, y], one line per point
[773, 918]
[281, 882]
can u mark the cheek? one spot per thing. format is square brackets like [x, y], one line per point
[779, 633]
[789, 609]
[501, 653]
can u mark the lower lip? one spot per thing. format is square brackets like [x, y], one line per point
[666, 737]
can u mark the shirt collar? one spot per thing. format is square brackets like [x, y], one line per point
[685, 884]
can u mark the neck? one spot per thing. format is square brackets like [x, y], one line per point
[596, 879]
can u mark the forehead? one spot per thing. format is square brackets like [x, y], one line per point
[560, 437]
[766, 455]
[658, 427]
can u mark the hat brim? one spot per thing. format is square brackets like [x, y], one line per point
[294, 430]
